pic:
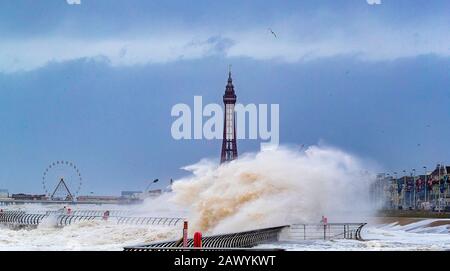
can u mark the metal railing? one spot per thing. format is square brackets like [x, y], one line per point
[246, 239]
[65, 220]
[89, 213]
[23, 218]
[325, 231]
[20, 217]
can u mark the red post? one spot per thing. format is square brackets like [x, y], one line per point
[185, 234]
[197, 239]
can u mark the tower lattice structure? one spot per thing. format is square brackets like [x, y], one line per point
[229, 146]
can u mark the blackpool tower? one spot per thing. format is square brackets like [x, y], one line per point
[229, 147]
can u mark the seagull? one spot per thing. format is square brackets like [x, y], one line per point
[275, 35]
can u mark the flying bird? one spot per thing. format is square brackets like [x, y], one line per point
[273, 33]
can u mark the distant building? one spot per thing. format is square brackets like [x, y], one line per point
[439, 173]
[131, 194]
[22, 196]
[429, 191]
[98, 198]
[4, 193]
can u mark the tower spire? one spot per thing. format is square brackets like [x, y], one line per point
[229, 146]
[229, 88]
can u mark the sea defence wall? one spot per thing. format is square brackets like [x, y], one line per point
[21, 218]
[235, 240]
[252, 238]
[91, 213]
[329, 231]
[244, 239]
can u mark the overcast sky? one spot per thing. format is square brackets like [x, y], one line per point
[94, 81]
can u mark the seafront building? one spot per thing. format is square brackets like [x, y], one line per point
[428, 191]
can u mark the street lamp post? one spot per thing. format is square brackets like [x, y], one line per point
[439, 190]
[426, 183]
[404, 188]
[388, 177]
[414, 180]
[396, 192]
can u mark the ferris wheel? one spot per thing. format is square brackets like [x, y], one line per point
[62, 180]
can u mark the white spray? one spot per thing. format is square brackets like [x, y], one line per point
[274, 187]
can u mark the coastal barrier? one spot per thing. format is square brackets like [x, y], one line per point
[329, 231]
[250, 239]
[237, 240]
[64, 220]
[246, 239]
[21, 218]
[90, 213]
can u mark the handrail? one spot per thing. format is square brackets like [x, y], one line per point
[326, 231]
[23, 218]
[244, 239]
[254, 237]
